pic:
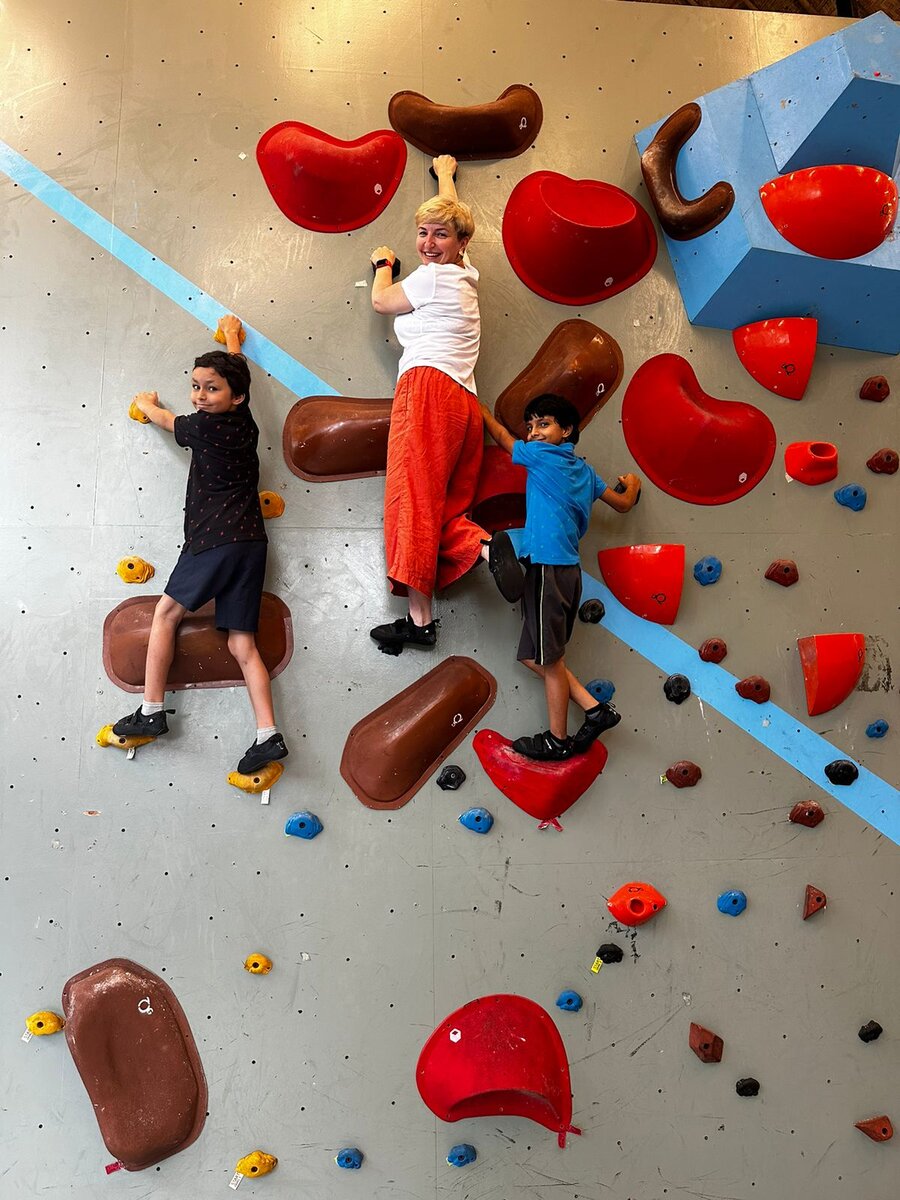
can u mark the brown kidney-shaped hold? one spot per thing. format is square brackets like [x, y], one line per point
[713, 650]
[884, 461]
[754, 688]
[783, 571]
[390, 753]
[327, 438]
[708, 1046]
[876, 387]
[578, 361]
[807, 812]
[501, 128]
[684, 774]
[879, 1129]
[137, 1058]
[681, 219]
[202, 658]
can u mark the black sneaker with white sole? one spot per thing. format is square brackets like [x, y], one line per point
[596, 721]
[395, 636]
[265, 752]
[140, 725]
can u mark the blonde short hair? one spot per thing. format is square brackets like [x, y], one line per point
[440, 210]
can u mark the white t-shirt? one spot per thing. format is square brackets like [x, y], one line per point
[444, 328]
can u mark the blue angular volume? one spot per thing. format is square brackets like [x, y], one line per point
[303, 825]
[479, 820]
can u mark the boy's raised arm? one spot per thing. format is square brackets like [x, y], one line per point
[498, 432]
[623, 502]
[148, 403]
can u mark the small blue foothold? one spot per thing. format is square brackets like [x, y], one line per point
[732, 903]
[303, 825]
[707, 570]
[462, 1155]
[602, 690]
[479, 820]
[349, 1159]
[851, 495]
[877, 729]
[569, 1001]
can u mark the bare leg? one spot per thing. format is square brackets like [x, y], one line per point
[420, 607]
[577, 692]
[167, 616]
[556, 690]
[259, 687]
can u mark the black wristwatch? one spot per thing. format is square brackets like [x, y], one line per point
[382, 262]
[386, 262]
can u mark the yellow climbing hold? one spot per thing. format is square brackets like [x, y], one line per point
[136, 415]
[257, 1163]
[271, 503]
[219, 336]
[259, 781]
[135, 570]
[258, 964]
[42, 1023]
[106, 737]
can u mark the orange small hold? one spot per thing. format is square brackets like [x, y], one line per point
[754, 688]
[708, 1046]
[807, 812]
[713, 650]
[814, 901]
[876, 387]
[272, 504]
[635, 903]
[879, 1129]
[783, 571]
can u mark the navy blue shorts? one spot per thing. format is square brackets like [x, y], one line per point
[549, 608]
[233, 575]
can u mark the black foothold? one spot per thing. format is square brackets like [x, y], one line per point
[451, 778]
[592, 612]
[870, 1032]
[747, 1087]
[677, 688]
[609, 952]
[842, 772]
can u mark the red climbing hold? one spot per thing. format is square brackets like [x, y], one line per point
[713, 650]
[876, 387]
[545, 790]
[811, 462]
[884, 461]
[576, 241]
[814, 901]
[691, 445]
[708, 1046]
[783, 571]
[778, 353]
[684, 774]
[832, 664]
[836, 211]
[500, 493]
[328, 185]
[498, 1056]
[754, 688]
[879, 1129]
[807, 812]
[635, 903]
[646, 579]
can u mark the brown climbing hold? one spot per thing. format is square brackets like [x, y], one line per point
[713, 650]
[807, 812]
[501, 128]
[684, 774]
[783, 571]
[884, 461]
[708, 1046]
[876, 387]
[681, 219]
[814, 901]
[328, 438]
[578, 361]
[754, 688]
[879, 1129]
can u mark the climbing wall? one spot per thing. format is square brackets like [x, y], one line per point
[133, 213]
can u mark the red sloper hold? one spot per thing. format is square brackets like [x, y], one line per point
[811, 463]
[691, 445]
[876, 387]
[500, 493]
[754, 688]
[545, 790]
[708, 1046]
[322, 183]
[879, 1129]
[684, 774]
[814, 901]
[713, 650]
[646, 579]
[635, 903]
[840, 210]
[778, 353]
[832, 664]
[498, 1055]
[783, 571]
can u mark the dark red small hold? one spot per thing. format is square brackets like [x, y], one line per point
[876, 387]
[870, 1032]
[708, 1046]
[754, 688]
[713, 650]
[684, 774]
[884, 461]
[807, 812]
[814, 901]
[842, 772]
[879, 1129]
[783, 571]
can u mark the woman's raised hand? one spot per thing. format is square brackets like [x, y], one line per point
[444, 164]
[383, 252]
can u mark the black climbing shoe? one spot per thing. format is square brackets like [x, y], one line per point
[395, 635]
[139, 725]
[596, 721]
[544, 747]
[506, 568]
[258, 755]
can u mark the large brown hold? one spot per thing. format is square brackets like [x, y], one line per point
[681, 219]
[502, 128]
[202, 658]
[328, 438]
[390, 753]
[578, 361]
[708, 1046]
[136, 1056]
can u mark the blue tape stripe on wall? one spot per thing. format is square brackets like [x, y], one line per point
[271, 358]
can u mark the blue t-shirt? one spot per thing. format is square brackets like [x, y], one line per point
[559, 493]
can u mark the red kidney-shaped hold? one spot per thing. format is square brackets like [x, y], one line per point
[635, 903]
[884, 461]
[708, 1046]
[814, 901]
[684, 774]
[713, 650]
[754, 688]
[876, 387]
[783, 571]
[807, 812]
[879, 1129]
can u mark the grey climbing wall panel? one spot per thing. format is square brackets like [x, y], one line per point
[387, 922]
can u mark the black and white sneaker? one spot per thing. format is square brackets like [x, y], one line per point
[505, 567]
[393, 637]
[265, 752]
[544, 747]
[596, 721]
[139, 725]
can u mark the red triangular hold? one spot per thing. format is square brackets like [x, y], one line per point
[778, 353]
[832, 664]
[879, 1129]
[814, 902]
[542, 789]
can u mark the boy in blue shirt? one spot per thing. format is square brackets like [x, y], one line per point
[559, 493]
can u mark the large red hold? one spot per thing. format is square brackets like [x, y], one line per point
[545, 790]
[811, 463]
[325, 184]
[646, 579]
[778, 353]
[497, 1056]
[635, 903]
[500, 493]
[832, 664]
[708, 1046]
[691, 445]
[835, 211]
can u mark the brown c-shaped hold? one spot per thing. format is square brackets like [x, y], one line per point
[501, 129]
[681, 219]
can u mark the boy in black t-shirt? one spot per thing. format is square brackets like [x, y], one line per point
[224, 552]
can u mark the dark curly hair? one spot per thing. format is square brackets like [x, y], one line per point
[233, 369]
[561, 410]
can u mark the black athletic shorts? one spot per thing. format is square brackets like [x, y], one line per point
[549, 608]
[233, 575]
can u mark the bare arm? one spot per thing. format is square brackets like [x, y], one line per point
[622, 502]
[445, 168]
[388, 298]
[231, 330]
[498, 432]
[148, 403]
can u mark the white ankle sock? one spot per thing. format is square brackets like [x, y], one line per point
[149, 707]
[263, 734]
